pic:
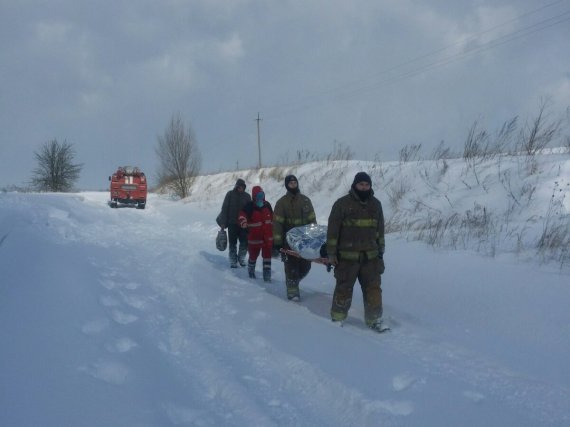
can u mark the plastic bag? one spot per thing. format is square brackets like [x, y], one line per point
[307, 240]
[222, 240]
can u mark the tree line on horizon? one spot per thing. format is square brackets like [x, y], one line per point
[180, 159]
[177, 151]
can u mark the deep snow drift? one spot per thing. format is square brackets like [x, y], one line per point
[124, 317]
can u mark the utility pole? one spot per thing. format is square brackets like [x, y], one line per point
[258, 143]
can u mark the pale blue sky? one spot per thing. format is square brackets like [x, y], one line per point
[374, 75]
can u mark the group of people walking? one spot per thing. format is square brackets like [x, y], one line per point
[355, 240]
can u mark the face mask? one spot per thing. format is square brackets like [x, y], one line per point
[293, 190]
[362, 195]
[259, 199]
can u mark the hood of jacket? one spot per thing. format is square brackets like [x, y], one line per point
[240, 183]
[257, 189]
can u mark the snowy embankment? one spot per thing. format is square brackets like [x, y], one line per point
[122, 317]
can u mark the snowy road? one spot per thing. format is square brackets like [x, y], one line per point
[122, 317]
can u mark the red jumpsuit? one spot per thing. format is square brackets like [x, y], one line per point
[257, 216]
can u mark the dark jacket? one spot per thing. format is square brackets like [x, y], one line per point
[291, 210]
[233, 204]
[355, 228]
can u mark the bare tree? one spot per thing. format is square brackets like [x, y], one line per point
[55, 171]
[179, 156]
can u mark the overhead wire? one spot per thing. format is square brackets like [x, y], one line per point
[356, 87]
[470, 51]
[472, 38]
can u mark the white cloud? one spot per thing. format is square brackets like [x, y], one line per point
[366, 70]
[93, 100]
[52, 32]
[231, 49]
[188, 65]
[169, 70]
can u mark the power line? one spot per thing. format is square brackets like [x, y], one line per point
[354, 88]
[470, 52]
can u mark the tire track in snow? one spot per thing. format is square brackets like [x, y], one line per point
[200, 336]
[305, 396]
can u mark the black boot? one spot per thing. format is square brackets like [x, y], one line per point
[233, 257]
[267, 270]
[241, 255]
[251, 269]
[292, 289]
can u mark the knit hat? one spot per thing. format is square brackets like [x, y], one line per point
[240, 183]
[290, 178]
[362, 177]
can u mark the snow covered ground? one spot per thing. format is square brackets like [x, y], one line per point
[125, 317]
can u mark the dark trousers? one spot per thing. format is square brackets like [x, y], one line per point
[368, 274]
[295, 270]
[235, 234]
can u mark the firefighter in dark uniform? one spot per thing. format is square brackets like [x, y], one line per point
[355, 246]
[292, 210]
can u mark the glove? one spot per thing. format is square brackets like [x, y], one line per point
[279, 252]
[333, 260]
[381, 266]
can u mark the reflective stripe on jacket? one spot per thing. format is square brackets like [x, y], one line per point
[355, 229]
[291, 210]
[259, 224]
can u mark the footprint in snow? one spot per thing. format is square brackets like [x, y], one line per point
[123, 318]
[108, 284]
[181, 415]
[403, 382]
[393, 407]
[260, 315]
[108, 301]
[108, 371]
[260, 381]
[121, 345]
[473, 396]
[95, 326]
[135, 301]
[131, 286]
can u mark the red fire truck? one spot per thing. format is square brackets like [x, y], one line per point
[128, 186]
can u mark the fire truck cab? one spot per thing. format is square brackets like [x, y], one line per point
[128, 186]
